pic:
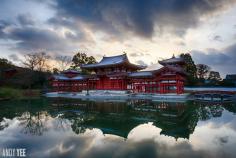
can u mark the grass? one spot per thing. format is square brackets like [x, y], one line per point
[12, 93]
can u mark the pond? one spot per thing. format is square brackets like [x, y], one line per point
[133, 128]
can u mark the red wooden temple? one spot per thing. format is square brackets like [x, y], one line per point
[117, 73]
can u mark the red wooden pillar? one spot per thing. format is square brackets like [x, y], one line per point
[156, 87]
[177, 85]
[161, 88]
[122, 84]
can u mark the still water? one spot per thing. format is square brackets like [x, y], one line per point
[102, 129]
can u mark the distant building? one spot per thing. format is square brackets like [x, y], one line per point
[231, 78]
[117, 73]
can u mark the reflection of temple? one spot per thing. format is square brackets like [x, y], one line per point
[176, 120]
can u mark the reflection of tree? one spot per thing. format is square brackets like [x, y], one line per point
[176, 119]
[203, 113]
[61, 123]
[180, 119]
[3, 124]
[77, 126]
[206, 112]
[68, 119]
[34, 124]
[231, 107]
[71, 119]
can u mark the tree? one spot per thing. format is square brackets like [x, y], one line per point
[81, 58]
[190, 68]
[31, 61]
[55, 71]
[4, 63]
[202, 71]
[214, 77]
[37, 61]
[63, 62]
[42, 58]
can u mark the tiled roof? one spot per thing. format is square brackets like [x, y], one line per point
[112, 60]
[173, 68]
[171, 61]
[176, 68]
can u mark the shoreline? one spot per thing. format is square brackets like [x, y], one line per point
[123, 96]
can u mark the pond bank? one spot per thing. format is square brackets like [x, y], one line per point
[117, 95]
[124, 95]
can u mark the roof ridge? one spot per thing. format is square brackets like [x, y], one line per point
[115, 56]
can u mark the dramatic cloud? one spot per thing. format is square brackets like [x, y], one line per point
[146, 30]
[140, 54]
[34, 39]
[25, 19]
[3, 25]
[141, 62]
[139, 16]
[222, 60]
[31, 38]
[14, 57]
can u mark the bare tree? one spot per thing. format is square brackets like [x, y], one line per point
[37, 61]
[31, 61]
[42, 61]
[63, 62]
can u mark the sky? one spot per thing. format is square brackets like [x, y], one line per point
[147, 31]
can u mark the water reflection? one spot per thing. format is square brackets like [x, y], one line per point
[77, 128]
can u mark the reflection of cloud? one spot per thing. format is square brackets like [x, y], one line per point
[232, 124]
[146, 147]
[223, 140]
[143, 141]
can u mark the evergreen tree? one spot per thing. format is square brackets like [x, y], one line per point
[4, 63]
[214, 77]
[190, 69]
[80, 59]
[202, 71]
